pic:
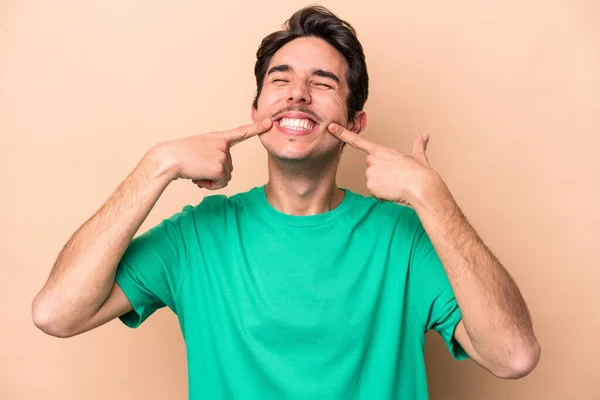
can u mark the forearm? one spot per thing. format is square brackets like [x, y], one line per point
[494, 312]
[84, 272]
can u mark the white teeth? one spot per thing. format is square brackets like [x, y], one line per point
[296, 124]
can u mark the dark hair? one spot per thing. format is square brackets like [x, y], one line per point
[317, 21]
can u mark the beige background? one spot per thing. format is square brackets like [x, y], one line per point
[509, 90]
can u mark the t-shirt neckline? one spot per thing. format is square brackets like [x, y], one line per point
[274, 215]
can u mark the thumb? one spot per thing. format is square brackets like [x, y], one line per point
[420, 146]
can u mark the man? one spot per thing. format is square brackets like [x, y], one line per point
[297, 289]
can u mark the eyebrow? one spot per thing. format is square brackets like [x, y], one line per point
[326, 74]
[317, 72]
[280, 68]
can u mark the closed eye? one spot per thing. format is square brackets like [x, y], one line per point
[323, 85]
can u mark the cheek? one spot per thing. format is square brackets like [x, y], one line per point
[271, 94]
[335, 106]
[341, 103]
[268, 100]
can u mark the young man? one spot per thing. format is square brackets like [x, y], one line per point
[297, 289]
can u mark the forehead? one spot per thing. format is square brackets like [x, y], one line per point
[309, 53]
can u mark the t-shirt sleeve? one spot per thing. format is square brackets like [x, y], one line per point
[434, 298]
[154, 267]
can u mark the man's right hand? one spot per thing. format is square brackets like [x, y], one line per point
[81, 292]
[205, 158]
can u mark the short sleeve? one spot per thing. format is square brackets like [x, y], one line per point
[154, 266]
[432, 294]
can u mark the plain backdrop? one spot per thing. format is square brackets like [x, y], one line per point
[509, 91]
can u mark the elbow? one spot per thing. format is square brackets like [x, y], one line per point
[523, 363]
[44, 318]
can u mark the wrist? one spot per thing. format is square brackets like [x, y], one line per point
[160, 164]
[433, 195]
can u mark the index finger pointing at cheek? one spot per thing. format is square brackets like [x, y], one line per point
[354, 140]
[242, 133]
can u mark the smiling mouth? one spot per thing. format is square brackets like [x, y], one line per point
[297, 124]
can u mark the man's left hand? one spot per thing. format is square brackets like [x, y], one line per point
[391, 175]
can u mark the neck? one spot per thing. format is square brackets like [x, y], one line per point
[303, 187]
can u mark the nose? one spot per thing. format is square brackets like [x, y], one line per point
[299, 93]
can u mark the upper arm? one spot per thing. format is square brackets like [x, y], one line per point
[153, 268]
[113, 307]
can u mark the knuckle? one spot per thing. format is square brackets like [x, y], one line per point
[222, 157]
[378, 151]
[243, 132]
[221, 144]
[217, 169]
[370, 186]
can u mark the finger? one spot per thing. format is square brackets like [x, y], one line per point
[204, 183]
[210, 185]
[228, 169]
[229, 162]
[354, 140]
[420, 146]
[242, 133]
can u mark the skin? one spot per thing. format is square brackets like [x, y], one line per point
[294, 162]
[496, 330]
[81, 292]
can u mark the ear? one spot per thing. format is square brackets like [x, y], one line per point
[252, 112]
[359, 122]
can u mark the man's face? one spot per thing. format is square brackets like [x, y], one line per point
[304, 91]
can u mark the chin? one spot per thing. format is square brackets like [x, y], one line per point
[288, 153]
[299, 153]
